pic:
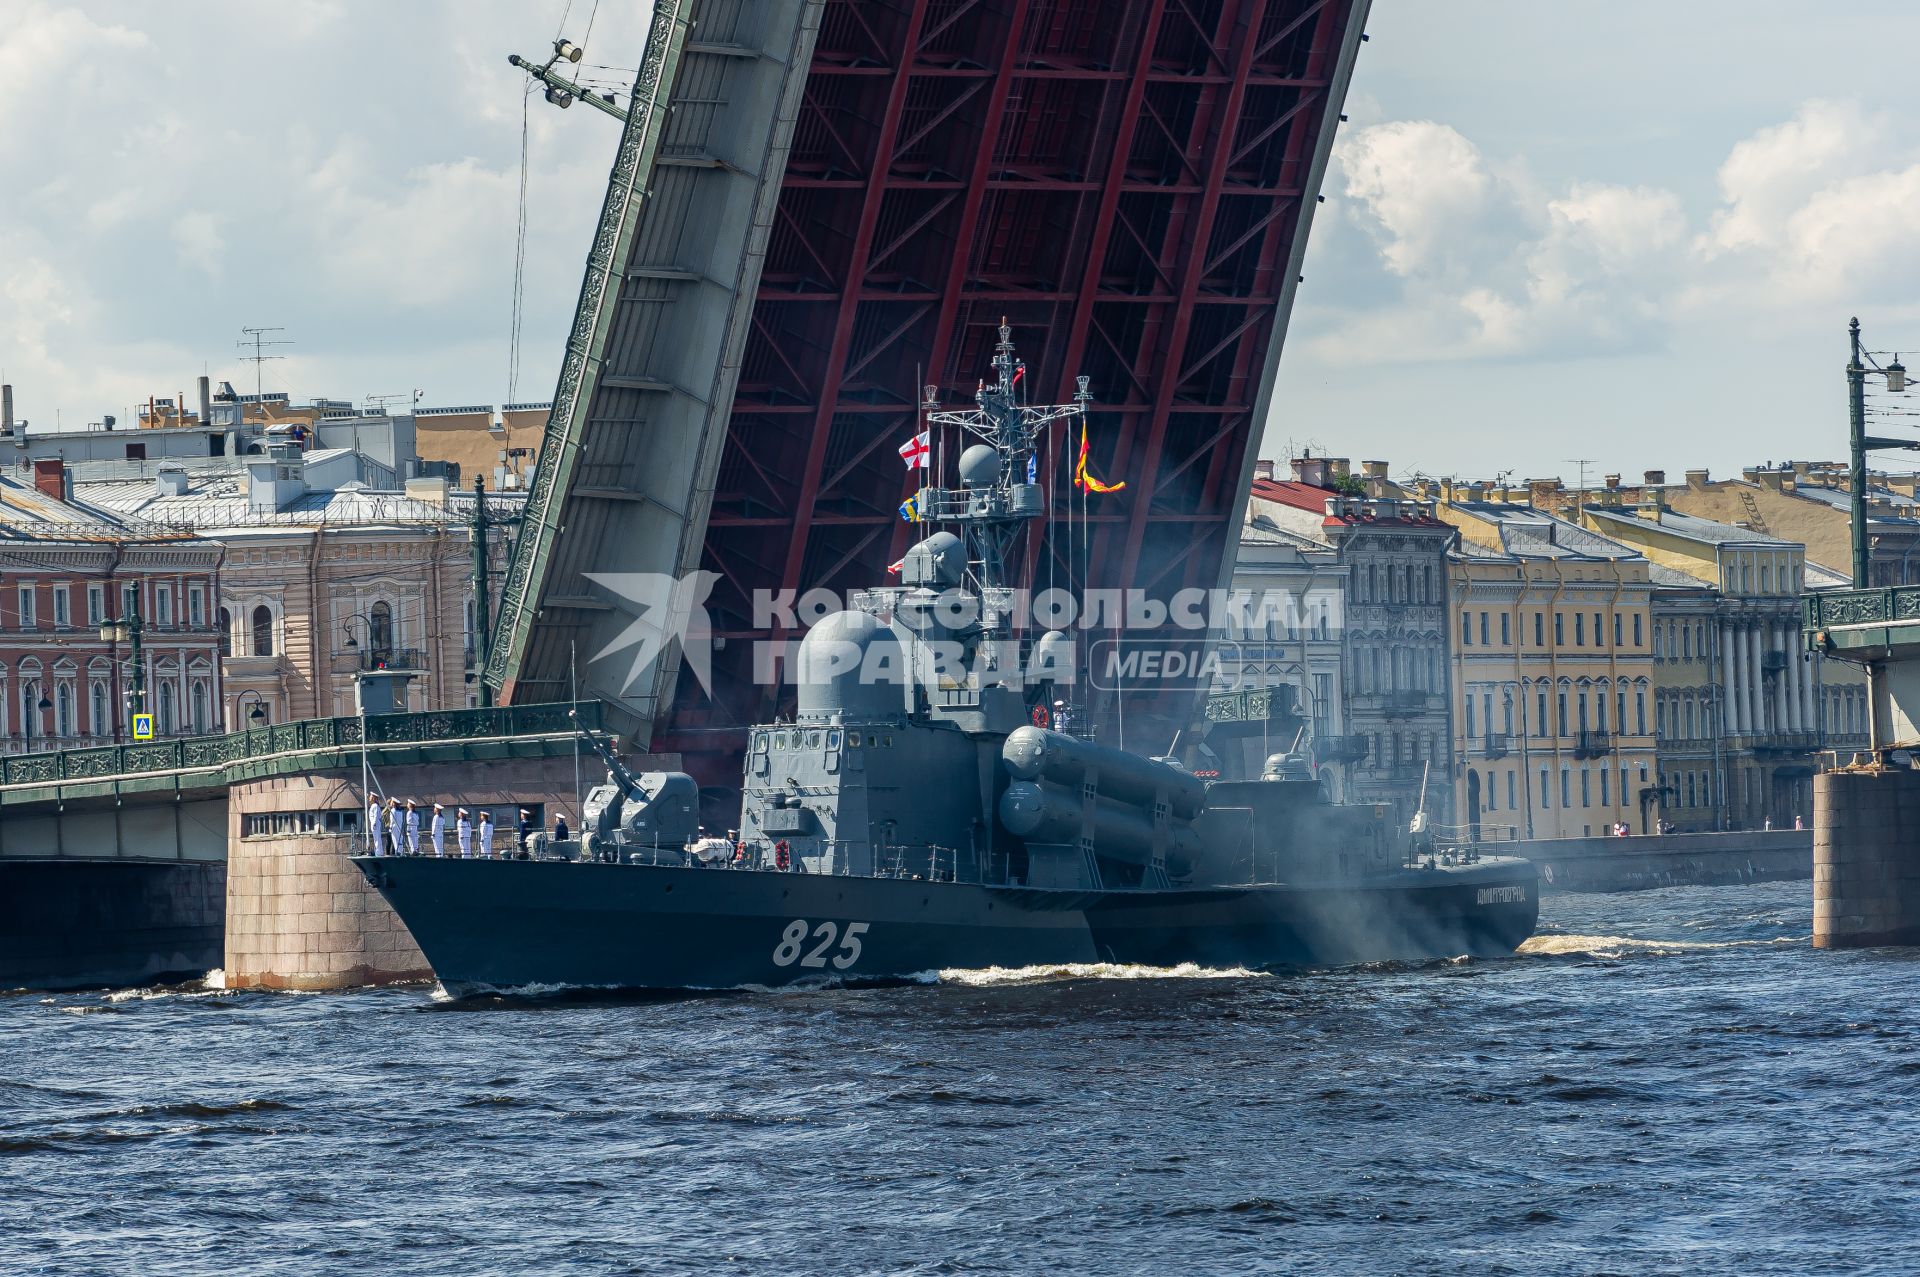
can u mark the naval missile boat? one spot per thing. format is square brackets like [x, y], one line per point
[915, 815]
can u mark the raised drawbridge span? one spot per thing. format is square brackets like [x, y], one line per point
[819, 207]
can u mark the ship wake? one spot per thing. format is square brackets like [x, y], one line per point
[1616, 947]
[990, 976]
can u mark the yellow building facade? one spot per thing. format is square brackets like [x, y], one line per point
[1552, 673]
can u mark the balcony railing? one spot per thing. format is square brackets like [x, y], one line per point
[374, 659]
[1341, 749]
[1494, 745]
[1405, 704]
[1594, 745]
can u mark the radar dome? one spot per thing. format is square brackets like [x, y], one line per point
[979, 466]
[851, 665]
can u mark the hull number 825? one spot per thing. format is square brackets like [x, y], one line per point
[818, 945]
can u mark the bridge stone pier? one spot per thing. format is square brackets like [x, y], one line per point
[300, 916]
[1866, 808]
[130, 863]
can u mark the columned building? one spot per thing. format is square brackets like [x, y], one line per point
[1741, 698]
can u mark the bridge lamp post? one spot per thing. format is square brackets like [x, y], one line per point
[1858, 370]
[258, 714]
[127, 630]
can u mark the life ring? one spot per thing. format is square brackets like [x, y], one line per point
[1041, 718]
[1546, 872]
[780, 855]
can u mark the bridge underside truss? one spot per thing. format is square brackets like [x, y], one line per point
[1128, 182]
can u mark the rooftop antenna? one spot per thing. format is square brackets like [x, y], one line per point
[258, 339]
[1580, 492]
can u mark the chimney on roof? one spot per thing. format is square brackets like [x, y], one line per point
[206, 401]
[1612, 481]
[1375, 474]
[170, 482]
[6, 410]
[1776, 480]
[1339, 467]
[50, 477]
[1906, 485]
[1656, 478]
[1263, 469]
[1540, 492]
[1310, 470]
[1697, 480]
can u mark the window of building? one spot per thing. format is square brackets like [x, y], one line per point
[1466, 629]
[1600, 711]
[1616, 629]
[63, 710]
[263, 630]
[1506, 630]
[1540, 714]
[1544, 792]
[1690, 792]
[1483, 629]
[165, 722]
[1636, 631]
[1640, 713]
[129, 600]
[96, 604]
[380, 628]
[27, 617]
[62, 607]
[1507, 714]
[1605, 775]
[1586, 788]
[1470, 728]
[97, 709]
[163, 605]
[1660, 718]
[1599, 635]
[226, 632]
[1559, 629]
[1510, 791]
[1563, 713]
[1620, 718]
[1583, 711]
[1766, 579]
[1566, 789]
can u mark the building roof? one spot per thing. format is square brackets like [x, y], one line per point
[1907, 509]
[1691, 527]
[216, 500]
[1530, 533]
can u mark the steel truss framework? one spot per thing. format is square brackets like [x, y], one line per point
[1129, 182]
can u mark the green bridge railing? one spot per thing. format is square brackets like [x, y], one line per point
[303, 736]
[1837, 621]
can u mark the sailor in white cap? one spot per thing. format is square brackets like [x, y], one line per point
[437, 831]
[486, 834]
[1062, 716]
[413, 828]
[463, 832]
[396, 827]
[375, 845]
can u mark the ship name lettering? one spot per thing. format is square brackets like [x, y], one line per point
[1501, 896]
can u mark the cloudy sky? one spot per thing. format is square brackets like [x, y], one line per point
[1623, 230]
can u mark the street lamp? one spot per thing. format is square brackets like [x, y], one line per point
[258, 714]
[1862, 443]
[127, 630]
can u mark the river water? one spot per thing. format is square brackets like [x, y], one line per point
[1662, 1082]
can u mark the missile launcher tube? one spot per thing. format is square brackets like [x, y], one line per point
[1032, 753]
[1046, 813]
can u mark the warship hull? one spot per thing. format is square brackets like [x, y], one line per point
[539, 926]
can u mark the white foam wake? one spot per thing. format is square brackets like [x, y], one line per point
[1091, 971]
[1620, 946]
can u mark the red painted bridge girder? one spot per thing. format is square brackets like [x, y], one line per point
[1123, 180]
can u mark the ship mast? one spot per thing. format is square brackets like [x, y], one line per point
[995, 513]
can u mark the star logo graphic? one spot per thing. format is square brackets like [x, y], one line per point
[669, 609]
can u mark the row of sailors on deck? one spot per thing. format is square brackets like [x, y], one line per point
[394, 830]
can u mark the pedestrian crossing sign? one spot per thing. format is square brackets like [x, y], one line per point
[143, 727]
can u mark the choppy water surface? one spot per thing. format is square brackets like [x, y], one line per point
[1665, 1082]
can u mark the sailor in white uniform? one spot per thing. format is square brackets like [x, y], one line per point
[396, 827]
[463, 832]
[374, 844]
[413, 828]
[437, 831]
[486, 835]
